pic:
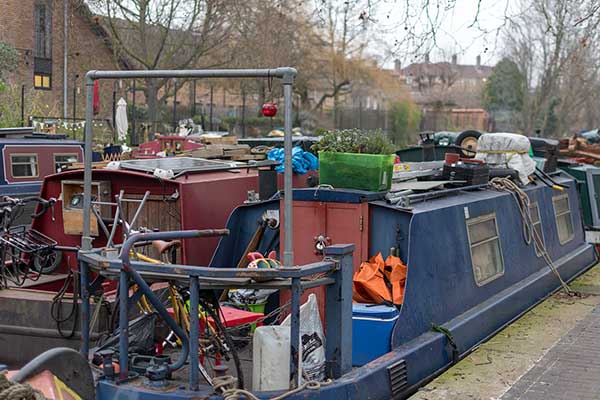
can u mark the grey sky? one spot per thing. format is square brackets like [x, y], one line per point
[457, 33]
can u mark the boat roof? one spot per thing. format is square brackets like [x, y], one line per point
[186, 165]
[29, 140]
[458, 197]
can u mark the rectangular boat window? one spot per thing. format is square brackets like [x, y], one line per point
[534, 211]
[564, 221]
[24, 165]
[486, 255]
[63, 160]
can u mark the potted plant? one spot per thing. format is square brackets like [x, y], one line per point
[355, 159]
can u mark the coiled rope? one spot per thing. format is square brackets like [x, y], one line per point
[529, 233]
[227, 384]
[17, 391]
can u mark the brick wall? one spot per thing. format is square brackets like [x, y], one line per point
[87, 50]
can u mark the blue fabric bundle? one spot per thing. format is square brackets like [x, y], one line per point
[302, 161]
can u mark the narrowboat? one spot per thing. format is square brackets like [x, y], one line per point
[28, 157]
[471, 269]
[470, 273]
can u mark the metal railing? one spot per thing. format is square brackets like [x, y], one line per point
[335, 272]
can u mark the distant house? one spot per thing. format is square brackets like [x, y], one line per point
[447, 83]
[449, 93]
[36, 28]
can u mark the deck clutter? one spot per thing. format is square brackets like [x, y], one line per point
[205, 279]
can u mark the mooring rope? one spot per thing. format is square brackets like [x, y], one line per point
[227, 384]
[529, 233]
[17, 391]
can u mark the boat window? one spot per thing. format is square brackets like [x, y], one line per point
[63, 160]
[486, 255]
[564, 221]
[24, 165]
[534, 211]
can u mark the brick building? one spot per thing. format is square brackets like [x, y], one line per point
[36, 28]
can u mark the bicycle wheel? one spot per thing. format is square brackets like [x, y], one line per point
[46, 261]
[217, 346]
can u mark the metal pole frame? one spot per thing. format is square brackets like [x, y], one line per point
[286, 74]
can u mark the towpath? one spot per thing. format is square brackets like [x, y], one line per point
[552, 352]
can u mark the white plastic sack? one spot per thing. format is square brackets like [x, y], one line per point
[506, 150]
[312, 340]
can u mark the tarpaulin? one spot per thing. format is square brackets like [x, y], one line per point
[302, 161]
[378, 281]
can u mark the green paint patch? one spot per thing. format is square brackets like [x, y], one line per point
[489, 371]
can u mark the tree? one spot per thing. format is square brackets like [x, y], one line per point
[405, 118]
[505, 88]
[166, 34]
[340, 40]
[9, 60]
[551, 42]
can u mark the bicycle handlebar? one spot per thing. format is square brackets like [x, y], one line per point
[7, 202]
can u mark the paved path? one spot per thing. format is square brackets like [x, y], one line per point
[527, 354]
[570, 370]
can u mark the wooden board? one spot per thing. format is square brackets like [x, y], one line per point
[208, 152]
[248, 157]
[157, 213]
[221, 140]
[73, 222]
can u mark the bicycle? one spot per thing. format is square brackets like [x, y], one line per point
[25, 253]
[217, 346]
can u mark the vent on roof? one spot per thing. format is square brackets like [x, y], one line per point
[398, 377]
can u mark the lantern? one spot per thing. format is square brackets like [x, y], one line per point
[269, 109]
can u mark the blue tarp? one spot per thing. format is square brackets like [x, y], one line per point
[302, 161]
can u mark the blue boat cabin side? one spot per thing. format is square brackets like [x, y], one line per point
[25, 162]
[471, 267]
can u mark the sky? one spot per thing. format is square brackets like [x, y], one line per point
[459, 31]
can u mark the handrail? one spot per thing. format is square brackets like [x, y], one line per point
[337, 263]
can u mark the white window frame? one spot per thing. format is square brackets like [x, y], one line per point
[63, 155]
[476, 220]
[12, 164]
[554, 200]
[538, 252]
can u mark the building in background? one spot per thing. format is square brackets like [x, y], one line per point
[450, 94]
[46, 34]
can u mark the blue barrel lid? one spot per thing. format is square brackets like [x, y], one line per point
[374, 311]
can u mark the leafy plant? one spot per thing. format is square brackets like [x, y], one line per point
[354, 141]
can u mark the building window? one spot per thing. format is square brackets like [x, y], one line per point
[24, 165]
[564, 221]
[41, 81]
[534, 211]
[64, 160]
[484, 242]
[43, 29]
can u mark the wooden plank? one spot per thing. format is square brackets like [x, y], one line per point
[208, 152]
[220, 140]
[247, 157]
[236, 152]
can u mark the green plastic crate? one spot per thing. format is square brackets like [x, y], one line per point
[371, 172]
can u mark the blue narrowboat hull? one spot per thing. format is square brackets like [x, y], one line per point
[441, 289]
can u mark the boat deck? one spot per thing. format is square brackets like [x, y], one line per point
[552, 352]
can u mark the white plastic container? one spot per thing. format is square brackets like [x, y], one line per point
[271, 358]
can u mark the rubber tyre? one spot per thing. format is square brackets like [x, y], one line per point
[48, 267]
[466, 139]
